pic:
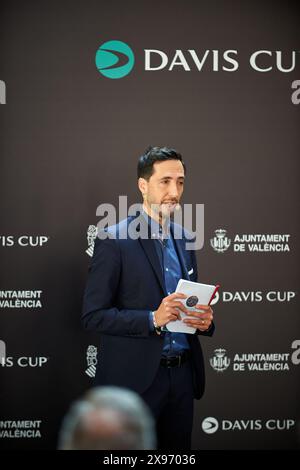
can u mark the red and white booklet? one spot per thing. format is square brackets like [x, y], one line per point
[196, 294]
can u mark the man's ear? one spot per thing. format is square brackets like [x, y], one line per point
[143, 185]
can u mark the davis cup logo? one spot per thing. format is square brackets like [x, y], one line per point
[215, 299]
[210, 425]
[114, 59]
[220, 242]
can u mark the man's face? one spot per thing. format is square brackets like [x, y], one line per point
[164, 189]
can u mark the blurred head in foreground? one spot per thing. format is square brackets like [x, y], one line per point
[108, 418]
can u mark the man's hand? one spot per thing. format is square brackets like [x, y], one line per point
[201, 321]
[167, 311]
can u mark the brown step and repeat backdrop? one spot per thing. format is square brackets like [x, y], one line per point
[85, 87]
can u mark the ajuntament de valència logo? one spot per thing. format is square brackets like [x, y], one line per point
[211, 425]
[220, 242]
[267, 243]
[22, 428]
[256, 361]
[91, 359]
[219, 361]
[21, 299]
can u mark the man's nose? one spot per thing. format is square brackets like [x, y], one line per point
[173, 191]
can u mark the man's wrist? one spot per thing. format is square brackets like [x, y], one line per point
[157, 328]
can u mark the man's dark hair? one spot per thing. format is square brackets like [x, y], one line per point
[153, 155]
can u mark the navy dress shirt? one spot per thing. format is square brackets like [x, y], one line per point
[174, 343]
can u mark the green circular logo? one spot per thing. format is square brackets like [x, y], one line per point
[114, 59]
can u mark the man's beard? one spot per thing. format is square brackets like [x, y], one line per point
[167, 211]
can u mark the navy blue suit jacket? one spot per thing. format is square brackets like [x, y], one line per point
[125, 282]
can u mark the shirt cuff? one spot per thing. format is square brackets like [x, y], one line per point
[151, 324]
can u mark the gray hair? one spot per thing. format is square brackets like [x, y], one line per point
[108, 418]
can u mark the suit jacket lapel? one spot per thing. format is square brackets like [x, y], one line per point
[150, 251]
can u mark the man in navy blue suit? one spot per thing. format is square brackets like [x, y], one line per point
[130, 297]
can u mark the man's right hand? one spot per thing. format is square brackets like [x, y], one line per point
[167, 311]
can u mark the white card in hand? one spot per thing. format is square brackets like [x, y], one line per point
[196, 294]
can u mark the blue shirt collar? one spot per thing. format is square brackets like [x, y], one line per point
[156, 228]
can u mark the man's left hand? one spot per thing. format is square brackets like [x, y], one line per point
[200, 320]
